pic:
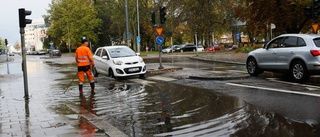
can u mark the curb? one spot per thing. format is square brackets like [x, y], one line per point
[161, 71]
[102, 125]
[219, 61]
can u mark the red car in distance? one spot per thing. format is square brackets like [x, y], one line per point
[213, 48]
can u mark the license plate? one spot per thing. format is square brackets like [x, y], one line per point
[133, 69]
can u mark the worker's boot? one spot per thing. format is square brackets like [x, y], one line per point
[92, 88]
[80, 91]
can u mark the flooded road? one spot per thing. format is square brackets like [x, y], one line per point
[154, 107]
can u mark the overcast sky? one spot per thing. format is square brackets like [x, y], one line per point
[9, 16]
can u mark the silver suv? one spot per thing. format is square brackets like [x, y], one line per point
[295, 54]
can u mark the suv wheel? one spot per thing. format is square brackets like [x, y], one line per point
[298, 71]
[252, 67]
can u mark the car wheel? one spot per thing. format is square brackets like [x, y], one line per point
[111, 73]
[252, 67]
[299, 72]
[94, 72]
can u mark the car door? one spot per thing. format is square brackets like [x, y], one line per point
[105, 61]
[97, 60]
[190, 47]
[290, 47]
[267, 57]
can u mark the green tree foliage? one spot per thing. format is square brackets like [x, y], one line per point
[74, 19]
[287, 15]
[103, 21]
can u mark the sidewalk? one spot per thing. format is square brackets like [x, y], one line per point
[40, 117]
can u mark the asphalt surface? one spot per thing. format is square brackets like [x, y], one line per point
[16, 119]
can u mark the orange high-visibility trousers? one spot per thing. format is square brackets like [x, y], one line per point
[81, 76]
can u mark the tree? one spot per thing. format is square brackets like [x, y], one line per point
[73, 19]
[287, 15]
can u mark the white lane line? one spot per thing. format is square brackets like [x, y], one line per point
[274, 89]
[142, 81]
[162, 78]
[304, 85]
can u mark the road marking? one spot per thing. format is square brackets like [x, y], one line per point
[274, 89]
[142, 81]
[218, 72]
[162, 78]
[237, 71]
[309, 87]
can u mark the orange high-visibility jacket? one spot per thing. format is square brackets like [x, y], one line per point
[84, 56]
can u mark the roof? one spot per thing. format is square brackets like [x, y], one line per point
[303, 35]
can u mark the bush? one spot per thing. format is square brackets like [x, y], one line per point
[247, 49]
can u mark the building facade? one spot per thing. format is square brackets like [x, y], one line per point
[35, 34]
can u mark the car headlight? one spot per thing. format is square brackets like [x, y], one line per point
[141, 60]
[117, 62]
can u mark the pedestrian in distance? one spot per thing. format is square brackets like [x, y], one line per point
[85, 63]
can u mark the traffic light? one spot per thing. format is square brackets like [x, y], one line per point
[22, 17]
[153, 18]
[162, 14]
[6, 41]
[315, 9]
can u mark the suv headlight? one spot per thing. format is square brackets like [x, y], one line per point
[117, 62]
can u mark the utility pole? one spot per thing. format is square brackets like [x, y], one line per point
[138, 42]
[196, 38]
[127, 23]
[69, 42]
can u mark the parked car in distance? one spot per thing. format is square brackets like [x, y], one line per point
[41, 52]
[214, 47]
[118, 61]
[185, 47]
[55, 53]
[33, 52]
[200, 48]
[168, 49]
[297, 55]
[10, 53]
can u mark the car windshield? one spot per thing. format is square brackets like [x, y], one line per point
[317, 42]
[121, 52]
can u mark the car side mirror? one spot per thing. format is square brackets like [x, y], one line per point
[105, 57]
[138, 54]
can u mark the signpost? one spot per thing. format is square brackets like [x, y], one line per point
[159, 41]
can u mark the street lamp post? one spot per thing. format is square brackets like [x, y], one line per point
[69, 42]
[138, 42]
[127, 23]
[196, 37]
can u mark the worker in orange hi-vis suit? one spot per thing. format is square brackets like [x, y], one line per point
[85, 62]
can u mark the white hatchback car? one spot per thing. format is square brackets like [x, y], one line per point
[118, 61]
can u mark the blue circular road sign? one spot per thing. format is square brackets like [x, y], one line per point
[159, 40]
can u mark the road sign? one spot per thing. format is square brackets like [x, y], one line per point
[159, 30]
[238, 35]
[159, 40]
[138, 39]
[315, 28]
[125, 35]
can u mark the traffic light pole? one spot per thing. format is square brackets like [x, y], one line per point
[24, 64]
